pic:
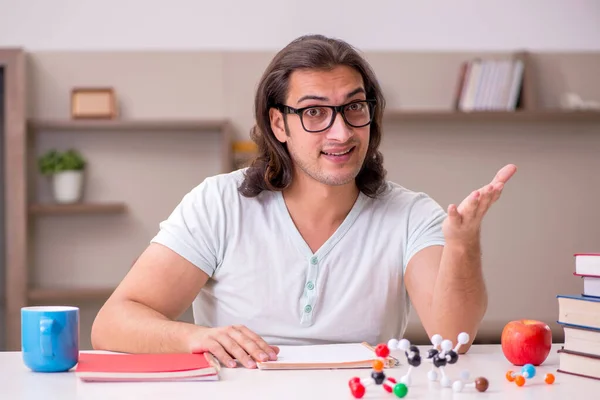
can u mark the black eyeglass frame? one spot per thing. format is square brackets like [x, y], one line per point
[371, 103]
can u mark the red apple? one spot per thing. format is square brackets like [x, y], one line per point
[526, 341]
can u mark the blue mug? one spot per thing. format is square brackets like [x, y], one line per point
[50, 338]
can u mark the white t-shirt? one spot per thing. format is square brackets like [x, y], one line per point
[264, 275]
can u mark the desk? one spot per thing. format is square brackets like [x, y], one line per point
[18, 383]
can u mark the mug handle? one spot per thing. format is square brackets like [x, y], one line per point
[46, 325]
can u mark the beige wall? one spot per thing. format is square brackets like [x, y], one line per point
[547, 213]
[269, 24]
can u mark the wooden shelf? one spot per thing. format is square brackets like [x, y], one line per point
[549, 115]
[126, 125]
[78, 208]
[543, 115]
[68, 294]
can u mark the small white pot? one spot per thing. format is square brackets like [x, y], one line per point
[67, 186]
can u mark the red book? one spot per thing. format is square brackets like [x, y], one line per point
[118, 367]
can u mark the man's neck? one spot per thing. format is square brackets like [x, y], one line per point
[318, 203]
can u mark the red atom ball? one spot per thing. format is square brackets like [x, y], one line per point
[358, 390]
[382, 350]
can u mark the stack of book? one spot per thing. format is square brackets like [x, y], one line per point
[579, 316]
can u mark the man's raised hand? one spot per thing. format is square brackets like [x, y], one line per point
[463, 224]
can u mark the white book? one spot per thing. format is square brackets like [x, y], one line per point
[325, 356]
[587, 264]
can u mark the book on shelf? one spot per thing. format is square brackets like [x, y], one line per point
[490, 84]
[119, 367]
[579, 316]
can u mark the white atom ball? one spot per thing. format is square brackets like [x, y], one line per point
[404, 344]
[436, 339]
[464, 375]
[432, 375]
[446, 345]
[457, 386]
[392, 344]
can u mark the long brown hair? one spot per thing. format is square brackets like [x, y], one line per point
[272, 168]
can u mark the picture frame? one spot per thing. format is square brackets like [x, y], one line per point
[93, 103]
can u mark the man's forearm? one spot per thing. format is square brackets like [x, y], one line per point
[127, 326]
[460, 296]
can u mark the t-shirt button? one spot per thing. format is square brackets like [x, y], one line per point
[310, 285]
[307, 309]
[314, 260]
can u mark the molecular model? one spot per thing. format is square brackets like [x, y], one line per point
[527, 372]
[378, 377]
[440, 355]
[480, 383]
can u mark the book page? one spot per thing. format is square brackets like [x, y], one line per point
[324, 354]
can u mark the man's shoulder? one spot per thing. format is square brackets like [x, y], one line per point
[397, 193]
[225, 187]
[222, 182]
[403, 199]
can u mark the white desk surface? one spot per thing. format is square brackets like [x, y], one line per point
[17, 383]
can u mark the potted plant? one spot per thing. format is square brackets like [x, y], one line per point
[66, 172]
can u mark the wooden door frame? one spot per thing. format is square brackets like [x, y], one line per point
[12, 60]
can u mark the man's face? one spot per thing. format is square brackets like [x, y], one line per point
[335, 155]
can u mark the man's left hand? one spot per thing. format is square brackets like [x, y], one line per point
[463, 223]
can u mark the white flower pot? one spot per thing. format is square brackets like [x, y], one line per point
[67, 186]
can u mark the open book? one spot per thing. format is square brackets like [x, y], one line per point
[326, 356]
[118, 367]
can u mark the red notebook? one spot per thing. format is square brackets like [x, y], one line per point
[118, 367]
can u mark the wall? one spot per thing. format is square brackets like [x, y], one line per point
[268, 24]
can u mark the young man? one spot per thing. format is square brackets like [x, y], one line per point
[310, 244]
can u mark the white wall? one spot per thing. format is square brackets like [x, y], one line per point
[270, 24]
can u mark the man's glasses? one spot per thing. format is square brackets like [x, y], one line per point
[315, 119]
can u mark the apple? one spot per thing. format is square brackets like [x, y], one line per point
[526, 341]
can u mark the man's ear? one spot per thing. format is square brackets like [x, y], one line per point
[278, 125]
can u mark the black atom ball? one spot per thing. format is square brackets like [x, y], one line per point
[453, 357]
[378, 377]
[415, 360]
[439, 361]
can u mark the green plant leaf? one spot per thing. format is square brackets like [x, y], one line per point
[54, 161]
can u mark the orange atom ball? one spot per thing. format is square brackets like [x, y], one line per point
[378, 365]
[520, 380]
[509, 376]
[549, 379]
